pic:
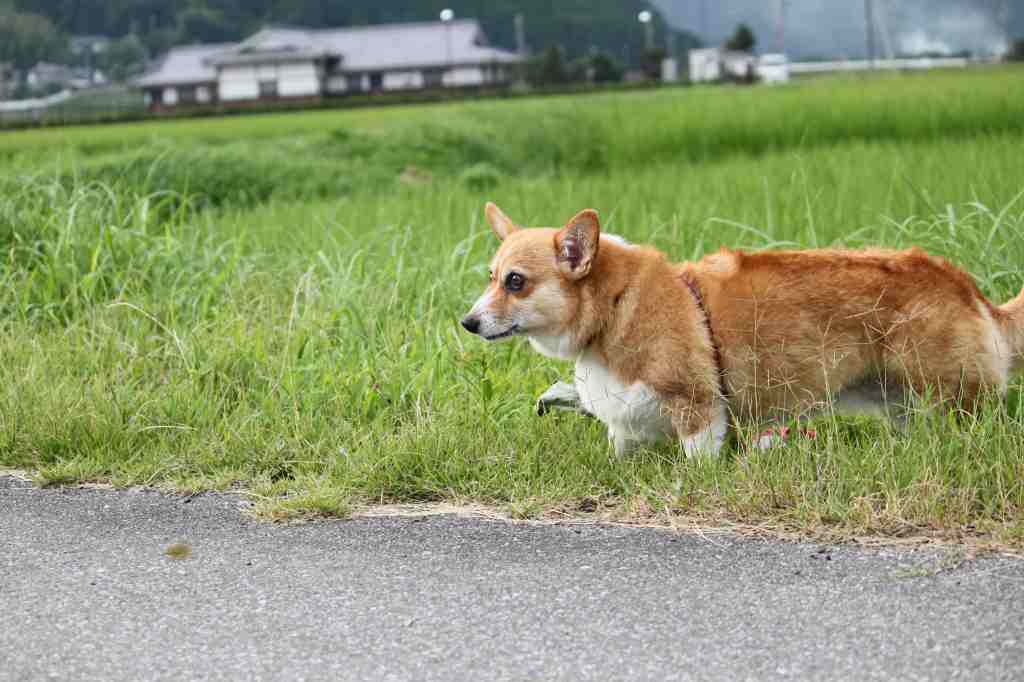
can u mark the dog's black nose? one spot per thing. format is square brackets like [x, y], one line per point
[472, 324]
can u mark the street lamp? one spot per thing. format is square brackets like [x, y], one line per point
[647, 19]
[447, 16]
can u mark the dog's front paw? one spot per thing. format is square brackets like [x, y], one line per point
[560, 396]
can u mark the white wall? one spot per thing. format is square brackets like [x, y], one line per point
[298, 79]
[670, 70]
[303, 79]
[739, 66]
[705, 65]
[294, 79]
[170, 97]
[337, 83]
[238, 83]
[403, 80]
[203, 95]
[462, 76]
[772, 71]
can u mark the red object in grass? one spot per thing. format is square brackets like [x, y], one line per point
[774, 437]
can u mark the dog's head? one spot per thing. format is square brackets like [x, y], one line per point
[534, 277]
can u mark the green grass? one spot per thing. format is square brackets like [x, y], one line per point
[263, 302]
[113, 100]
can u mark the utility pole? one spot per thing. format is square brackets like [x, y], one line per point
[882, 25]
[521, 35]
[869, 21]
[704, 21]
[780, 28]
[447, 16]
[1003, 19]
[647, 19]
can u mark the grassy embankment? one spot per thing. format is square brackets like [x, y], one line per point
[271, 302]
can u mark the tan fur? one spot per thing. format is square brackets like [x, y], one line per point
[791, 330]
[797, 328]
[1011, 321]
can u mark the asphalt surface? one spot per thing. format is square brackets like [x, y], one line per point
[88, 593]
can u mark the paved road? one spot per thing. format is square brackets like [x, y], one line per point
[86, 592]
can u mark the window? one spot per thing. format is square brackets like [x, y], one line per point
[268, 89]
[187, 95]
[433, 78]
[376, 81]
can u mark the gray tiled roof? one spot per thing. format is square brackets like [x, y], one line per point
[398, 46]
[185, 66]
[368, 48]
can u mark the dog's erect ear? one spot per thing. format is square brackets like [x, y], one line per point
[576, 244]
[501, 224]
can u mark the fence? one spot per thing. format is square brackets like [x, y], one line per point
[915, 64]
[22, 109]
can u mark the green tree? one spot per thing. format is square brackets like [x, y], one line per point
[26, 39]
[604, 68]
[743, 40]
[158, 41]
[123, 59]
[204, 25]
[596, 67]
[1016, 52]
[548, 68]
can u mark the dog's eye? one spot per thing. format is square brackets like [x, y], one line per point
[514, 281]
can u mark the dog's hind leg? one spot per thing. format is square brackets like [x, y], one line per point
[701, 428]
[873, 397]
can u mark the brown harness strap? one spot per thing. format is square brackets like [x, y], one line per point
[698, 297]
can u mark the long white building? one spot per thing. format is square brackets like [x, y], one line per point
[289, 63]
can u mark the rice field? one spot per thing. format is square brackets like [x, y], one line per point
[270, 303]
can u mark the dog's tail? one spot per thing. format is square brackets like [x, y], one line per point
[1012, 320]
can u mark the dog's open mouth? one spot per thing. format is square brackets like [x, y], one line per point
[511, 331]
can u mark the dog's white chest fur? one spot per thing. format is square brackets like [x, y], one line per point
[633, 414]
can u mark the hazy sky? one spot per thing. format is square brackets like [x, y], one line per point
[836, 28]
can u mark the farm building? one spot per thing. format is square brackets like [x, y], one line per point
[289, 63]
[44, 75]
[715, 64]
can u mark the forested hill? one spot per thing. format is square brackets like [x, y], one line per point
[575, 25]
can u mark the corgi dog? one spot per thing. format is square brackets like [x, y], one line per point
[682, 350]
